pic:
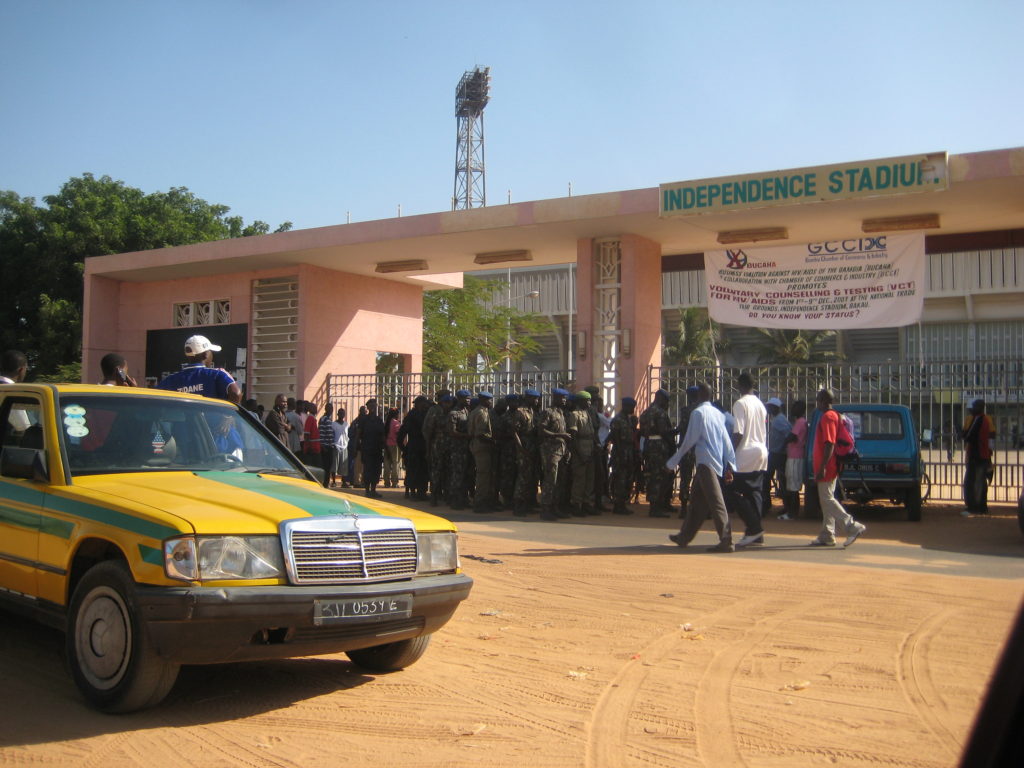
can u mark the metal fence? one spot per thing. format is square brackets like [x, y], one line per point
[400, 389]
[938, 394]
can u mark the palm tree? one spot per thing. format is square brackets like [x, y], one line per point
[785, 347]
[696, 341]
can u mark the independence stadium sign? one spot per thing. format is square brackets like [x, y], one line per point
[871, 178]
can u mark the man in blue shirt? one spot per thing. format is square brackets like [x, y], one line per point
[716, 460]
[200, 377]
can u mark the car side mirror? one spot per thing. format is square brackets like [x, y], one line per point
[24, 463]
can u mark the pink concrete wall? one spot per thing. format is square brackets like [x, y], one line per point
[345, 319]
[585, 359]
[100, 328]
[641, 311]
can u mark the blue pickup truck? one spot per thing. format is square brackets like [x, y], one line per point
[888, 464]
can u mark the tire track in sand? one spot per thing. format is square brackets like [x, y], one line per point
[608, 729]
[916, 681]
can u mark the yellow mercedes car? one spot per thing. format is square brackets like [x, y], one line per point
[158, 529]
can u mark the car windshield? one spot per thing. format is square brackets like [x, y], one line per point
[876, 425]
[113, 434]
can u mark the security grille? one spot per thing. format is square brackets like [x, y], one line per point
[349, 548]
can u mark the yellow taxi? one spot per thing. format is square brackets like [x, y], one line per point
[158, 529]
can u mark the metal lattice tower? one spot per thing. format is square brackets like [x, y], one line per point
[471, 96]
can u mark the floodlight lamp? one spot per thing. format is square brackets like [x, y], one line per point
[753, 235]
[900, 223]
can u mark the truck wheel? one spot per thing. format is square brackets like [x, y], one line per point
[390, 657]
[110, 656]
[913, 505]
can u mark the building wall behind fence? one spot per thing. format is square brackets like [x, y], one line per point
[937, 393]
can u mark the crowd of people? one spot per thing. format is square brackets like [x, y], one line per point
[569, 458]
[573, 458]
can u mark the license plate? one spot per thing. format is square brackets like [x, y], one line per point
[367, 609]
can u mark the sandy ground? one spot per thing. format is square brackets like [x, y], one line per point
[569, 656]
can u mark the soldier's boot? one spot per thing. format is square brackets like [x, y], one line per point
[589, 510]
[519, 510]
[621, 509]
[657, 511]
[578, 511]
[548, 514]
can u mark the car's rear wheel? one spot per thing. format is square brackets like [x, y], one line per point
[110, 655]
[390, 657]
[913, 504]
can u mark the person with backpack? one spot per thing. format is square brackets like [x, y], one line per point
[826, 472]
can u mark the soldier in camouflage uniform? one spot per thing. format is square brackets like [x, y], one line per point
[524, 428]
[505, 437]
[553, 438]
[659, 445]
[624, 438]
[458, 451]
[482, 446]
[689, 462]
[582, 446]
[435, 433]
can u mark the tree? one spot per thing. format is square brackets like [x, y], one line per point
[470, 329]
[696, 341]
[786, 346]
[43, 251]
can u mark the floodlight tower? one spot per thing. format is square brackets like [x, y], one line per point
[471, 96]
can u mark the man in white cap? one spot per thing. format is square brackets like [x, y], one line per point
[199, 376]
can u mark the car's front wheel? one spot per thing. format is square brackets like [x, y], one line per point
[111, 658]
[390, 657]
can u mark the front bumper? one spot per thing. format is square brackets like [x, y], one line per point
[208, 625]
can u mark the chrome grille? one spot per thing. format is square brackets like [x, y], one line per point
[349, 548]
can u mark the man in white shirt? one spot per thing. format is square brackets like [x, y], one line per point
[749, 438]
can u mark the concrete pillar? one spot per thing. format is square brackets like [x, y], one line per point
[618, 320]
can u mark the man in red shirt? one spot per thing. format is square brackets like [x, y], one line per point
[979, 442]
[826, 470]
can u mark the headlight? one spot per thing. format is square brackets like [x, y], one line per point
[214, 558]
[437, 552]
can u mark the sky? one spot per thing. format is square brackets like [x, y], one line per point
[319, 112]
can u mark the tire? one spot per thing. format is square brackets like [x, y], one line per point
[108, 650]
[390, 657]
[913, 505]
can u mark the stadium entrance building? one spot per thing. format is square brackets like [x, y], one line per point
[290, 308]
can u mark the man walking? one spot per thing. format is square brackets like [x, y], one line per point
[779, 429]
[715, 460]
[749, 441]
[826, 470]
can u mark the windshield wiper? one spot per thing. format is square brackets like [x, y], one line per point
[273, 471]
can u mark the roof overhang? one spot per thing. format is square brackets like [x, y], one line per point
[985, 192]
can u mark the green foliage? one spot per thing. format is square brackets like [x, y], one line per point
[470, 329]
[784, 346]
[68, 372]
[697, 340]
[43, 249]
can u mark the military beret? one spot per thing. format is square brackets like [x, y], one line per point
[488, 395]
[532, 393]
[584, 395]
[628, 401]
[463, 393]
[445, 398]
[560, 391]
[663, 393]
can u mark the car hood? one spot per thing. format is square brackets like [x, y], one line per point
[242, 503]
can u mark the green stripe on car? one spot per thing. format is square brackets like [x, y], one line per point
[316, 503]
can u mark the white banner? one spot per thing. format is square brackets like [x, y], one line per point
[864, 282]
